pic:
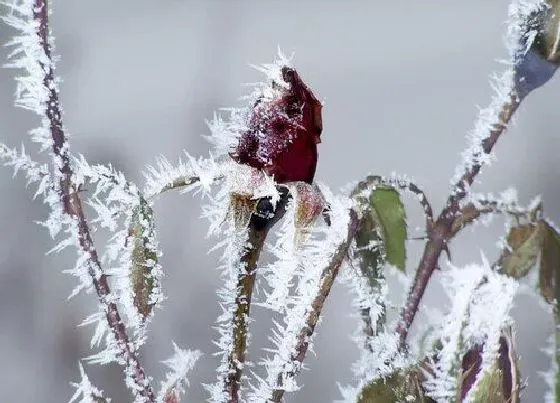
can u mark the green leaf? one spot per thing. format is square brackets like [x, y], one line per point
[391, 217]
[368, 249]
[524, 245]
[143, 256]
[401, 386]
[549, 263]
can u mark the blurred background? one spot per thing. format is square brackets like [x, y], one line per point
[401, 84]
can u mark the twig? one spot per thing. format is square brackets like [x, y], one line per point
[179, 183]
[312, 317]
[472, 211]
[72, 205]
[441, 232]
[258, 229]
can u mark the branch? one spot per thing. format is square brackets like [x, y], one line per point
[72, 205]
[470, 212]
[442, 231]
[312, 316]
[259, 226]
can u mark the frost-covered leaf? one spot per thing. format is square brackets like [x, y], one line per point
[470, 323]
[549, 263]
[390, 216]
[402, 386]
[522, 250]
[143, 257]
[527, 244]
[500, 383]
[368, 249]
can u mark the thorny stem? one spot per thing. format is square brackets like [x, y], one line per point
[442, 231]
[72, 205]
[257, 232]
[312, 317]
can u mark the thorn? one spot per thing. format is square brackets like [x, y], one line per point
[417, 238]
[447, 252]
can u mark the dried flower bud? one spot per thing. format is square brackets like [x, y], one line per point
[283, 131]
[310, 203]
[539, 53]
[547, 25]
[240, 209]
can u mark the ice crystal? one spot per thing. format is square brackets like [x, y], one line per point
[86, 392]
[225, 131]
[180, 364]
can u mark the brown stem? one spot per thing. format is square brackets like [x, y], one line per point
[472, 211]
[245, 285]
[442, 232]
[257, 232]
[72, 205]
[312, 317]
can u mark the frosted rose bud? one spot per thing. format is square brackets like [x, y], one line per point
[283, 130]
[539, 54]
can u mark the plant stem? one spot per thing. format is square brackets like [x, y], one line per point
[257, 232]
[72, 205]
[312, 317]
[472, 211]
[442, 232]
